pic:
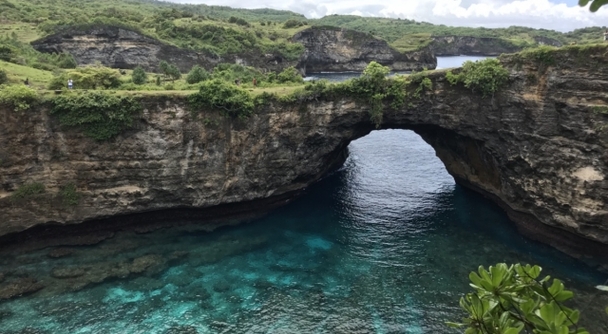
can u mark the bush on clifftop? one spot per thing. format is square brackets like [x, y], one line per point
[18, 97]
[228, 99]
[100, 115]
[196, 75]
[90, 77]
[485, 76]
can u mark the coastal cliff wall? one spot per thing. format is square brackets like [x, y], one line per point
[118, 47]
[326, 49]
[331, 49]
[537, 148]
[479, 46]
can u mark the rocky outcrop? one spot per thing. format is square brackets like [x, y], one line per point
[327, 49]
[471, 46]
[118, 47]
[541, 40]
[537, 148]
[331, 49]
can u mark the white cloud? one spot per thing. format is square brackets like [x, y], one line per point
[487, 13]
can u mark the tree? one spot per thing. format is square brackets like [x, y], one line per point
[595, 4]
[164, 66]
[196, 75]
[139, 76]
[170, 70]
[375, 72]
[512, 299]
[173, 72]
[290, 74]
[66, 60]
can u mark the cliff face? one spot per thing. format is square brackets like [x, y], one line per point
[121, 48]
[337, 50]
[327, 49]
[479, 46]
[537, 148]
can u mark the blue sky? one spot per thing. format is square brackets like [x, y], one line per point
[562, 15]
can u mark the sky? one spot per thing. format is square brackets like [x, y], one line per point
[561, 15]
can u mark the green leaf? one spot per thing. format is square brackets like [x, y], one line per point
[597, 4]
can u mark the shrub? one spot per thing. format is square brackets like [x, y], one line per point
[509, 299]
[291, 23]
[3, 77]
[27, 191]
[290, 74]
[483, 76]
[139, 76]
[100, 115]
[232, 72]
[69, 195]
[6, 53]
[375, 72]
[90, 77]
[229, 99]
[66, 60]
[196, 75]
[170, 70]
[18, 97]
[238, 21]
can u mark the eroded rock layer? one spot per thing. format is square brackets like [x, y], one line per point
[537, 148]
[118, 47]
[338, 50]
[480, 46]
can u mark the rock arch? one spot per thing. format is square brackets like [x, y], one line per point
[537, 148]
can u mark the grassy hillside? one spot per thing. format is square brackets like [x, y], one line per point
[408, 35]
[223, 30]
[220, 30]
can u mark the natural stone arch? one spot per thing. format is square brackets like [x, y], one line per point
[536, 148]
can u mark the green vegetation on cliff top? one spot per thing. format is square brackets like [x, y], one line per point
[224, 30]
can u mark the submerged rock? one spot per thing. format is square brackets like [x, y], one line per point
[67, 272]
[181, 329]
[60, 252]
[19, 286]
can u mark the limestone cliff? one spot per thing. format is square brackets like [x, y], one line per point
[122, 48]
[537, 148]
[326, 49]
[331, 49]
[479, 46]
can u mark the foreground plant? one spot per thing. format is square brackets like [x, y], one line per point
[512, 299]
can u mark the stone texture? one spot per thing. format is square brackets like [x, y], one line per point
[18, 287]
[338, 50]
[537, 148]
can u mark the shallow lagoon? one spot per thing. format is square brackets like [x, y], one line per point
[383, 245]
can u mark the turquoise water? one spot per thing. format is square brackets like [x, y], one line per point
[383, 245]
